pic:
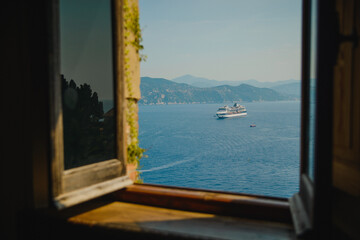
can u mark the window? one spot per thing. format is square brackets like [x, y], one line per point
[73, 185]
[88, 144]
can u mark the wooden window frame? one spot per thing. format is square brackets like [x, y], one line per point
[223, 203]
[76, 185]
[307, 206]
[311, 206]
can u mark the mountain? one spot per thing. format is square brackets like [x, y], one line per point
[291, 89]
[195, 81]
[204, 82]
[272, 85]
[163, 91]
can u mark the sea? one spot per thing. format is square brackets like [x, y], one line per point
[187, 146]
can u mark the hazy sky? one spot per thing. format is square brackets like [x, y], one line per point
[222, 39]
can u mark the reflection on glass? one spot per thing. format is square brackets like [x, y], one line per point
[87, 82]
[312, 90]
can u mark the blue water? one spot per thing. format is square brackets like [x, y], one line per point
[189, 147]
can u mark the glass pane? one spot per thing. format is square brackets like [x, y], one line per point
[312, 89]
[87, 81]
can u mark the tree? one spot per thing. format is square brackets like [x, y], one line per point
[83, 118]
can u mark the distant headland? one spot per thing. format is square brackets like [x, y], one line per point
[189, 89]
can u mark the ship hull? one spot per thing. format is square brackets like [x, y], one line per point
[231, 115]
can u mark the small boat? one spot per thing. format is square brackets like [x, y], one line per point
[252, 125]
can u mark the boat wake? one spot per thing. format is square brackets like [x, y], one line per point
[165, 166]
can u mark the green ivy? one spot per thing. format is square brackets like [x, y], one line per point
[132, 27]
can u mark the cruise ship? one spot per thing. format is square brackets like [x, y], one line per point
[235, 111]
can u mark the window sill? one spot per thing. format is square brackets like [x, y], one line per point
[104, 219]
[109, 218]
[205, 201]
[135, 219]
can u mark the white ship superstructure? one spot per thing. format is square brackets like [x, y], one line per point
[235, 111]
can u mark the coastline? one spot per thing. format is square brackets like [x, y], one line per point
[226, 102]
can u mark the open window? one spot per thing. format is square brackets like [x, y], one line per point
[74, 185]
[88, 100]
[74, 178]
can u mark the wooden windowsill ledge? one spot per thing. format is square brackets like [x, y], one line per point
[159, 212]
[146, 222]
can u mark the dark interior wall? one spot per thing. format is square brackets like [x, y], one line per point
[24, 106]
[346, 119]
